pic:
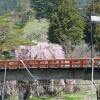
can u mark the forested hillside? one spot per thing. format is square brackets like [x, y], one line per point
[8, 5]
[30, 20]
[82, 3]
[19, 25]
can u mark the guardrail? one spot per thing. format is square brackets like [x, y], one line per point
[51, 63]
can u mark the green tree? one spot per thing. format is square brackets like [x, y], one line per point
[44, 8]
[66, 25]
[23, 12]
[11, 35]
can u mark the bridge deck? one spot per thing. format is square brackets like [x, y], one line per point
[50, 69]
[52, 63]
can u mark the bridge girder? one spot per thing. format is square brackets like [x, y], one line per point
[51, 73]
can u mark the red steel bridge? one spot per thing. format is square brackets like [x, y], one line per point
[51, 63]
[73, 68]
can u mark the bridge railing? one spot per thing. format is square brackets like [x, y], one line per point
[52, 63]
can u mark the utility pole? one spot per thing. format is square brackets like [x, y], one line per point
[92, 55]
[92, 63]
[94, 19]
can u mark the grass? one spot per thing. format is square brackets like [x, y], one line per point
[67, 97]
[74, 96]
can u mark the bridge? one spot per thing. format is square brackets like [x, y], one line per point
[73, 68]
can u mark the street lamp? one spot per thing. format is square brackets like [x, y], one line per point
[94, 19]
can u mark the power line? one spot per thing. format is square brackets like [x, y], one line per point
[26, 68]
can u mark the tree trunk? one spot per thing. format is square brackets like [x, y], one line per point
[26, 94]
[67, 48]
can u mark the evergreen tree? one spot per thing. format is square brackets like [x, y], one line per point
[44, 8]
[66, 25]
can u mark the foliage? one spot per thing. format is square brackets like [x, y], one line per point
[10, 33]
[20, 27]
[44, 8]
[6, 55]
[36, 29]
[25, 12]
[66, 25]
[7, 6]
